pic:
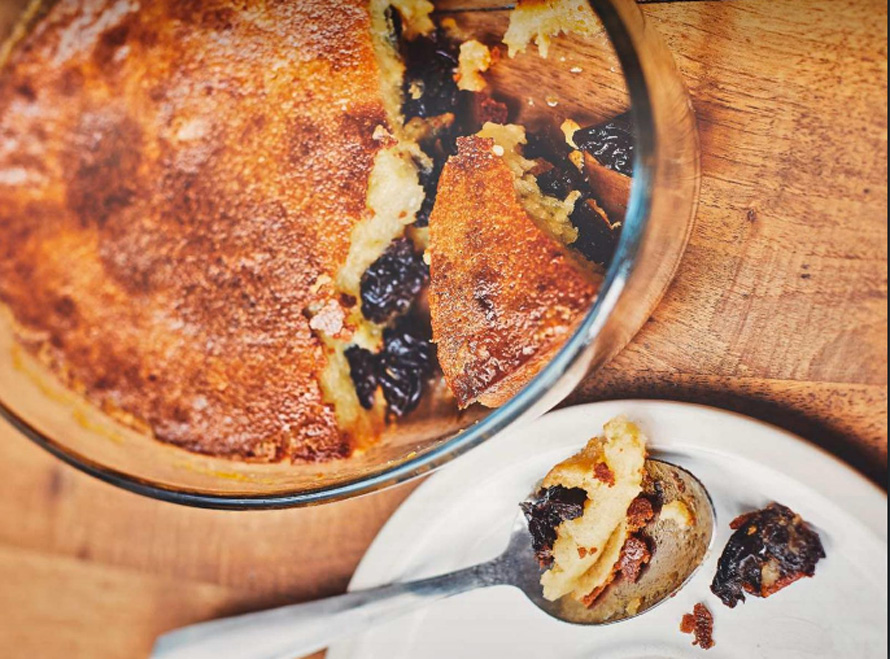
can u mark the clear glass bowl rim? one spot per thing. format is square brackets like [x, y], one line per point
[623, 263]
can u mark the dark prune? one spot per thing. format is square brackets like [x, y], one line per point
[363, 369]
[561, 179]
[611, 143]
[769, 550]
[429, 88]
[597, 239]
[429, 179]
[545, 145]
[406, 362]
[552, 507]
[394, 19]
[401, 369]
[391, 284]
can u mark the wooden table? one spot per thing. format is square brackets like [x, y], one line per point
[779, 311]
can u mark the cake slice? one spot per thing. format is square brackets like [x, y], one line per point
[505, 290]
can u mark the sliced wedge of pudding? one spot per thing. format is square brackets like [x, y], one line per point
[505, 290]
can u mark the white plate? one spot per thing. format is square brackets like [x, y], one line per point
[462, 515]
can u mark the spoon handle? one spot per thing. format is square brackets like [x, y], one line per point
[300, 629]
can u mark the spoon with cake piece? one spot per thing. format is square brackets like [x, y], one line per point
[608, 534]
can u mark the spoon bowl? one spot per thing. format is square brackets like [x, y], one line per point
[678, 554]
[300, 629]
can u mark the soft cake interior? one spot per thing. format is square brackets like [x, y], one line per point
[610, 470]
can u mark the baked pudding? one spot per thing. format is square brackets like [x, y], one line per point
[214, 215]
[180, 184]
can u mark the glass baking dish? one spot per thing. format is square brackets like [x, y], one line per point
[589, 79]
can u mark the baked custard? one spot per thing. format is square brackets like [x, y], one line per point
[217, 219]
[189, 193]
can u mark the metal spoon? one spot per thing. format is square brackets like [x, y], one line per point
[300, 629]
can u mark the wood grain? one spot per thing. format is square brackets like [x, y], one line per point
[780, 306]
[779, 310]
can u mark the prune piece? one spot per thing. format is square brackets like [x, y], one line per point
[429, 179]
[769, 550]
[547, 146]
[597, 238]
[394, 20]
[400, 369]
[391, 284]
[406, 362]
[363, 368]
[701, 623]
[561, 179]
[429, 88]
[611, 143]
[552, 507]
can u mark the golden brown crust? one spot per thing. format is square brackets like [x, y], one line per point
[504, 296]
[610, 188]
[174, 176]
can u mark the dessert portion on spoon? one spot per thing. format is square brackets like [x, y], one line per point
[588, 549]
[602, 515]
